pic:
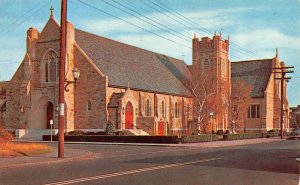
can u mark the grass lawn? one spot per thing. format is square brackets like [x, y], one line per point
[12, 149]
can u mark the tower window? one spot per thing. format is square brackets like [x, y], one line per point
[89, 106]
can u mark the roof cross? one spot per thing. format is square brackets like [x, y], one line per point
[51, 11]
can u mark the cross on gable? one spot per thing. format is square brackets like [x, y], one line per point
[51, 11]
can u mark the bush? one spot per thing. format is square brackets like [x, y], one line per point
[198, 138]
[119, 139]
[110, 129]
[227, 132]
[5, 136]
[241, 136]
[119, 133]
[76, 133]
[220, 132]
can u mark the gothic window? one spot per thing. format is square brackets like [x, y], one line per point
[89, 106]
[188, 111]
[51, 67]
[163, 109]
[254, 111]
[148, 108]
[176, 110]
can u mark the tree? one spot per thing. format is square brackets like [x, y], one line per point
[110, 128]
[240, 98]
[199, 87]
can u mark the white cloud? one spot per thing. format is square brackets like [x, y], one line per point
[263, 43]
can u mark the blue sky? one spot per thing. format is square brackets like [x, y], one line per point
[255, 27]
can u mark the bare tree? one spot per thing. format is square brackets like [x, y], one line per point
[240, 98]
[202, 93]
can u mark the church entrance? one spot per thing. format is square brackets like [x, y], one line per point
[161, 128]
[129, 116]
[49, 114]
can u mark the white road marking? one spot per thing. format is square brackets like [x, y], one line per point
[143, 153]
[110, 175]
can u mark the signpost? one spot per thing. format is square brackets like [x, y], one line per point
[211, 114]
[51, 124]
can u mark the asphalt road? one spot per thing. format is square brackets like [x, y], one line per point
[268, 164]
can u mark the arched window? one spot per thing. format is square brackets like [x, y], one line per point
[89, 106]
[176, 110]
[51, 67]
[188, 111]
[148, 108]
[163, 109]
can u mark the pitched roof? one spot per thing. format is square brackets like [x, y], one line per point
[254, 72]
[114, 100]
[142, 69]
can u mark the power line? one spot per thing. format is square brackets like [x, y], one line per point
[143, 19]
[5, 7]
[19, 22]
[180, 22]
[188, 38]
[102, 11]
[184, 18]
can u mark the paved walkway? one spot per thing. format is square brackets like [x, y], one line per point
[70, 155]
[76, 154]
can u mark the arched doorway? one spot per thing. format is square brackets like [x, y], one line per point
[129, 116]
[161, 128]
[49, 114]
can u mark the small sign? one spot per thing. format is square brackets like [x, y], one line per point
[51, 122]
[61, 109]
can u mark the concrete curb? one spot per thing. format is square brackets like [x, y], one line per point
[202, 144]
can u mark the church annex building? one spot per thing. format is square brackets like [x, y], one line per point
[137, 90]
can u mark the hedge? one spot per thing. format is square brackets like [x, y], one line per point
[199, 138]
[118, 139]
[242, 136]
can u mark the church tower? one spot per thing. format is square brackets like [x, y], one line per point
[211, 66]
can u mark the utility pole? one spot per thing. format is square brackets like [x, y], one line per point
[283, 71]
[61, 98]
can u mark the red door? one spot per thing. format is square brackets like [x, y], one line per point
[129, 116]
[161, 128]
[49, 114]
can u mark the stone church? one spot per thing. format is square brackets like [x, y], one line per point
[140, 91]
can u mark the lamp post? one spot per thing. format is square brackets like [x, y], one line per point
[211, 114]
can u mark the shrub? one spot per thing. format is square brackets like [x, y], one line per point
[198, 138]
[241, 136]
[227, 132]
[110, 128]
[76, 133]
[5, 136]
[119, 133]
[220, 132]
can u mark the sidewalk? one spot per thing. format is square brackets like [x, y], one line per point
[70, 155]
[201, 144]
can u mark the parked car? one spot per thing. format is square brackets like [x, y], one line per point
[294, 134]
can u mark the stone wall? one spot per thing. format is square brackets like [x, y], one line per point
[91, 87]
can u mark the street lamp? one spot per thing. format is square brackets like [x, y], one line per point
[76, 74]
